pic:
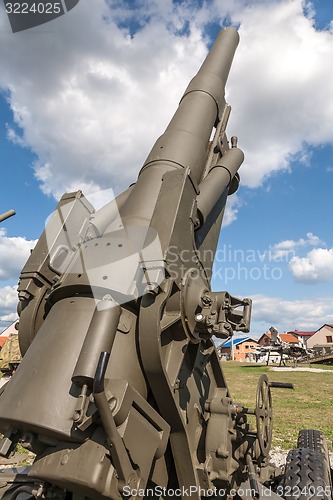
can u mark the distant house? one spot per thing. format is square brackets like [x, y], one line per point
[324, 335]
[301, 336]
[243, 348]
[266, 338]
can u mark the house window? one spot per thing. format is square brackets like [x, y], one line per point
[329, 339]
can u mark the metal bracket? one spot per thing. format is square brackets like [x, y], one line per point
[224, 313]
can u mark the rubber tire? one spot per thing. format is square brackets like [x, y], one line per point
[307, 476]
[313, 440]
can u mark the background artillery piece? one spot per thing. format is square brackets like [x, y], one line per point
[7, 214]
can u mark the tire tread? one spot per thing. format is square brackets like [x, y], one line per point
[307, 476]
[313, 440]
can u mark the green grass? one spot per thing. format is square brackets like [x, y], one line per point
[308, 406]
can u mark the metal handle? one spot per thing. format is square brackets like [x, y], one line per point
[281, 385]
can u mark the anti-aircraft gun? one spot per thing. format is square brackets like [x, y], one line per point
[120, 393]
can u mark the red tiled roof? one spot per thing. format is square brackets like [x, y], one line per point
[301, 334]
[285, 337]
[2, 340]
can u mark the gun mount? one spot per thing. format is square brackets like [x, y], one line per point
[120, 391]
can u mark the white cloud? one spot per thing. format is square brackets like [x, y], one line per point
[316, 267]
[286, 315]
[14, 252]
[280, 87]
[91, 100]
[8, 303]
[287, 248]
[231, 210]
[311, 240]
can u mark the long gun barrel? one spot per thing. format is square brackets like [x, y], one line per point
[185, 141]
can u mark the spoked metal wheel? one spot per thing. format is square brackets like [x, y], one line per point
[263, 413]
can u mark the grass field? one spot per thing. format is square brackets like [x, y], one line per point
[308, 406]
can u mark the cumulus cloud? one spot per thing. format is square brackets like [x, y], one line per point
[8, 303]
[92, 90]
[89, 99]
[287, 248]
[14, 252]
[288, 315]
[311, 240]
[280, 87]
[315, 267]
[231, 210]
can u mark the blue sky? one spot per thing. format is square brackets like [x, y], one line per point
[20, 189]
[82, 100]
